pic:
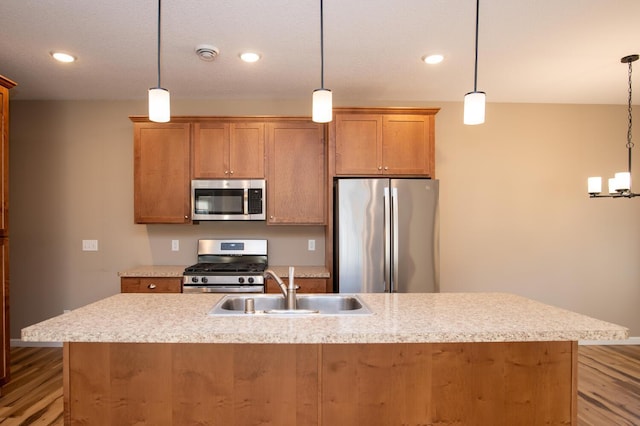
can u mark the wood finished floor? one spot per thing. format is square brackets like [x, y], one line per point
[608, 387]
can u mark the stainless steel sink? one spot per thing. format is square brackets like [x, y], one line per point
[274, 305]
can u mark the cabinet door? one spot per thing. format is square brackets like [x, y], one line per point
[4, 160]
[296, 173]
[358, 144]
[407, 145]
[246, 150]
[161, 173]
[211, 150]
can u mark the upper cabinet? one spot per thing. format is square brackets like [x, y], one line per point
[296, 191]
[5, 85]
[161, 172]
[383, 141]
[224, 150]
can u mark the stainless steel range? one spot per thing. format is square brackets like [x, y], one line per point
[227, 266]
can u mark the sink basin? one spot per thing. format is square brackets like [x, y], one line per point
[274, 304]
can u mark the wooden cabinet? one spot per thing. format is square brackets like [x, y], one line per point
[296, 176]
[151, 285]
[384, 142]
[5, 85]
[162, 184]
[307, 285]
[228, 150]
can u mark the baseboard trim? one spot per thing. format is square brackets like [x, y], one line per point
[629, 341]
[20, 342]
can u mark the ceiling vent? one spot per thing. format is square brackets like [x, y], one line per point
[206, 52]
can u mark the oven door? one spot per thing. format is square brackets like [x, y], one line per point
[222, 288]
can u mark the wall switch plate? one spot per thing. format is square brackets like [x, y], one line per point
[89, 245]
[312, 245]
[175, 245]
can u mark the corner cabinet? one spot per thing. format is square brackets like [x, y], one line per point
[223, 150]
[5, 85]
[161, 173]
[384, 141]
[296, 176]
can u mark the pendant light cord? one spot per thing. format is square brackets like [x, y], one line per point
[475, 72]
[321, 46]
[159, 14]
[629, 142]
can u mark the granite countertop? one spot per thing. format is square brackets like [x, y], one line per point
[397, 318]
[158, 271]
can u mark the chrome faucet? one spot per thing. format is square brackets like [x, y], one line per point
[289, 293]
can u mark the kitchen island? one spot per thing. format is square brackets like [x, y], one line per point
[448, 358]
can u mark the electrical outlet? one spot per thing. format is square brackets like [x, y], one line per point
[89, 245]
[175, 245]
[312, 245]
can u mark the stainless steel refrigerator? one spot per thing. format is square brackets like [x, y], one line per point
[386, 235]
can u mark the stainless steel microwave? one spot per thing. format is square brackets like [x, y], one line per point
[228, 199]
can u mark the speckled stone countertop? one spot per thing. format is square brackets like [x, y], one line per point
[177, 270]
[397, 318]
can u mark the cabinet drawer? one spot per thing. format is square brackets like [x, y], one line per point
[307, 285]
[151, 285]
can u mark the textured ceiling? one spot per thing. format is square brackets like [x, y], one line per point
[557, 51]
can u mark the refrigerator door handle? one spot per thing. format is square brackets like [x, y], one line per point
[387, 241]
[394, 214]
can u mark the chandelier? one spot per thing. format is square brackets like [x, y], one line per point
[620, 184]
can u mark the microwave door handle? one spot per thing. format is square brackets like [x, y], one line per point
[245, 201]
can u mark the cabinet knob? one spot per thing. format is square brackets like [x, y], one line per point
[386, 168]
[379, 167]
[151, 286]
[231, 171]
[270, 217]
[226, 172]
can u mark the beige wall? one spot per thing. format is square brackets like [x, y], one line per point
[514, 213]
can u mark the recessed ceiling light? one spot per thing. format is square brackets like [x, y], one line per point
[63, 57]
[250, 56]
[432, 59]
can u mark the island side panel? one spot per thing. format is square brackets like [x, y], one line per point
[450, 383]
[231, 384]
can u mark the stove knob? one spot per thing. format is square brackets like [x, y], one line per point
[204, 280]
[251, 280]
[194, 279]
[241, 280]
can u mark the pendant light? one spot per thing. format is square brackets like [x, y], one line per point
[159, 99]
[474, 102]
[619, 185]
[322, 106]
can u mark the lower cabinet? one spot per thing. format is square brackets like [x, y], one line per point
[151, 285]
[307, 285]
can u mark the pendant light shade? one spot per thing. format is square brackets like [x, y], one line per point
[322, 106]
[159, 98]
[322, 102]
[474, 102]
[159, 105]
[474, 107]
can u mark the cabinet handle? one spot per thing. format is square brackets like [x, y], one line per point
[226, 172]
[231, 171]
[379, 167]
[386, 168]
[151, 286]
